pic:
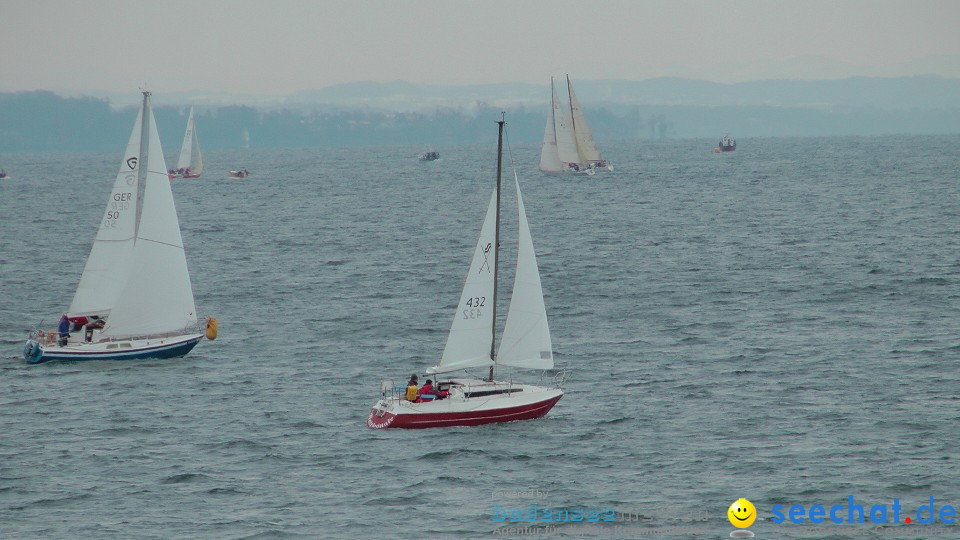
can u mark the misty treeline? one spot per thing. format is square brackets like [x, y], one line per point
[41, 121]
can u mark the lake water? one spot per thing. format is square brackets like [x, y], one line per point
[778, 323]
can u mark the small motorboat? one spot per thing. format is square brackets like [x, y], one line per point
[242, 173]
[726, 144]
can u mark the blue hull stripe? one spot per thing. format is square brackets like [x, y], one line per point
[162, 351]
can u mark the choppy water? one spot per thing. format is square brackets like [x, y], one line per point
[779, 323]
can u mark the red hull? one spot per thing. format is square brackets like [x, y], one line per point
[191, 176]
[472, 418]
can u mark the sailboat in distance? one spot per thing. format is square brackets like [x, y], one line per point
[134, 299]
[568, 145]
[190, 162]
[471, 343]
[586, 147]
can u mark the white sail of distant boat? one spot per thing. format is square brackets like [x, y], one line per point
[525, 342]
[134, 299]
[549, 155]
[190, 162]
[559, 151]
[586, 146]
[568, 145]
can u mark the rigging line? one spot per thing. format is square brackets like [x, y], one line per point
[159, 242]
[509, 149]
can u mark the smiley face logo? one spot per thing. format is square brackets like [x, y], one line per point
[742, 513]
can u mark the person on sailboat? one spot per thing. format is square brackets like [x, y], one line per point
[426, 391]
[63, 330]
[412, 388]
[76, 323]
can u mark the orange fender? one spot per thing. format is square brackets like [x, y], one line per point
[211, 328]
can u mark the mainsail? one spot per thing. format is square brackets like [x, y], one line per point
[549, 156]
[108, 263]
[566, 143]
[468, 344]
[586, 147]
[186, 149]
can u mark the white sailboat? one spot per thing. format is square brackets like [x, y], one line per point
[559, 152]
[134, 299]
[568, 145]
[586, 146]
[471, 344]
[190, 162]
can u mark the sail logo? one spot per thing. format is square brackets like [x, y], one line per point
[132, 162]
[486, 257]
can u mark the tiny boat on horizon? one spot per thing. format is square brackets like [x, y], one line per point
[726, 144]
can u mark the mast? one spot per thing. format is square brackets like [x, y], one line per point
[142, 159]
[496, 253]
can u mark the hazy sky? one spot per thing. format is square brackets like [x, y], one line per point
[280, 46]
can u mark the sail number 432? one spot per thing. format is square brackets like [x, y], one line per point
[474, 303]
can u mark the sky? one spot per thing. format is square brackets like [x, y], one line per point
[278, 47]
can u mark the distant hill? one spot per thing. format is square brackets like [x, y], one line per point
[885, 93]
[406, 113]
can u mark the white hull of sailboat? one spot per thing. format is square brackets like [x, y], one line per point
[129, 349]
[571, 172]
[470, 403]
[586, 171]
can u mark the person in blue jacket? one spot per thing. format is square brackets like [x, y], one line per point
[63, 331]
